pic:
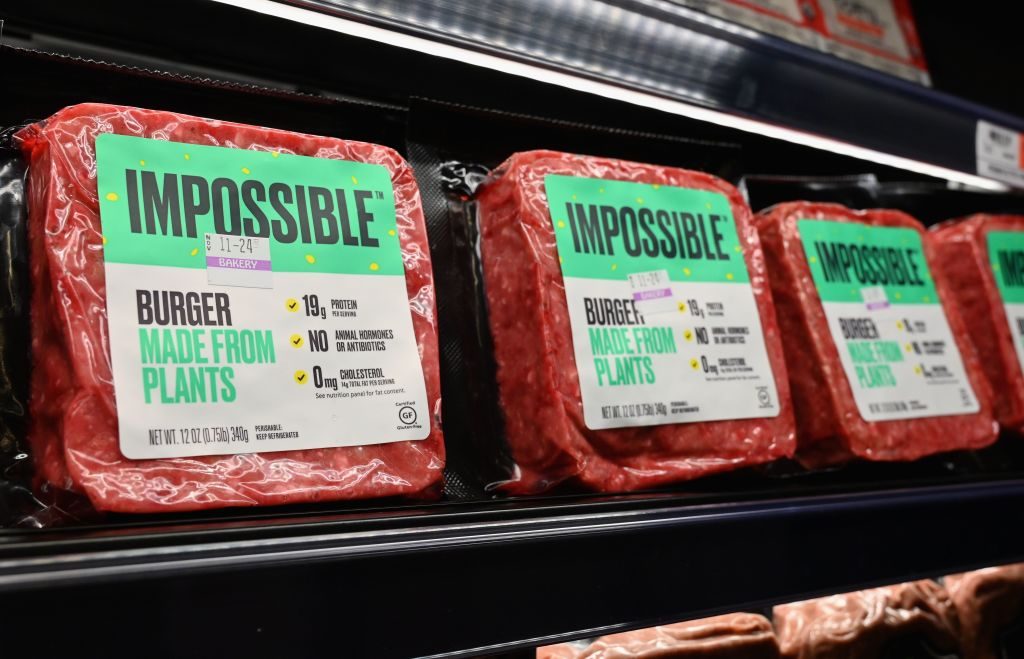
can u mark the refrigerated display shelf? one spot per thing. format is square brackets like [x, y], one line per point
[652, 53]
[468, 577]
[459, 579]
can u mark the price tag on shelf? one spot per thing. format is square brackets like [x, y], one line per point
[999, 155]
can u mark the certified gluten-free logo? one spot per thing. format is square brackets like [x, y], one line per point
[407, 415]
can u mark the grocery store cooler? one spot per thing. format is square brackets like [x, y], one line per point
[474, 574]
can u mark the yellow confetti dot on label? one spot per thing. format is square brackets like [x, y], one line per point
[814, 259]
[615, 266]
[142, 163]
[574, 197]
[374, 267]
[391, 232]
[275, 154]
[686, 271]
[707, 205]
[188, 157]
[561, 224]
[925, 298]
[728, 276]
[897, 295]
[899, 324]
[310, 259]
[995, 266]
[694, 364]
[245, 170]
[104, 240]
[656, 186]
[355, 181]
[560, 259]
[688, 335]
[908, 347]
[195, 251]
[639, 200]
[917, 369]
[682, 306]
[737, 248]
[600, 190]
[112, 196]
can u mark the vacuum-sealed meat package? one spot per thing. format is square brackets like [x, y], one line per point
[227, 315]
[732, 636]
[982, 257]
[910, 619]
[633, 329]
[990, 605]
[879, 360]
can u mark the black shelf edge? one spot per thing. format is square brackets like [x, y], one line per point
[509, 574]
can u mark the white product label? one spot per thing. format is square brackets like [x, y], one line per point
[894, 342]
[298, 336]
[872, 23]
[238, 261]
[665, 327]
[782, 18]
[998, 152]
[868, 32]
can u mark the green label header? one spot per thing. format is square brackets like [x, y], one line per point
[1006, 256]
[845, 257]
[609, 229]
[158, 199]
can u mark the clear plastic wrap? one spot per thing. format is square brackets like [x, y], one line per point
[963, 252]
[990, 605]
[13, 330]
[732, 636]
[540, 391]
[831, 429]
[74, 433]
[868, 624]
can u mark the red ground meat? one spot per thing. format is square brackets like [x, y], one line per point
[830, 427]
[74, 430]
[537, 376]
[860, 625]
[732, 636]
[987, 602]
[963, 255]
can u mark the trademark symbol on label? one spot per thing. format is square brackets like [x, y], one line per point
[378, 194]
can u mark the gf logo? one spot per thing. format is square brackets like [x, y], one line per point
[407, 415]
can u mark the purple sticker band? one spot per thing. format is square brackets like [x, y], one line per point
[640, 296]
[237, 264]
[872, 306]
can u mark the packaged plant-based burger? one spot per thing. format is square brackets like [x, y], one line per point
[226, 315]
[879, 358]
[633, 328]
[732, 636]
[982, 257]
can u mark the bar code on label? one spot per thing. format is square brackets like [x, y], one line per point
[634, 410]
[888, 407]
